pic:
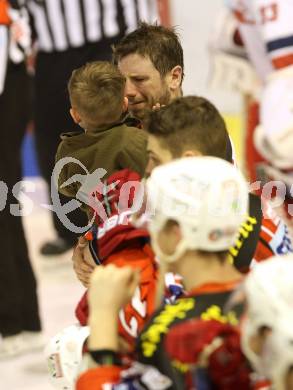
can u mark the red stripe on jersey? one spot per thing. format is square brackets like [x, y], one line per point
[214, 287]
[4, 16]
[99, 378]
[282, 62]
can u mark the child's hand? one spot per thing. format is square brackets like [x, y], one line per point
[111, 288]
[83, 263]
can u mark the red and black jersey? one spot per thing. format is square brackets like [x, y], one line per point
[178, 333]
[171, 342]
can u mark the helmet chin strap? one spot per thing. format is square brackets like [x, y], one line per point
[277, 359]
[180, 250]
[247, 332]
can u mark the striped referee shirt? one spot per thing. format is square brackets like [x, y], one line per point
[14, 47]
[3, 55]
[63, 24]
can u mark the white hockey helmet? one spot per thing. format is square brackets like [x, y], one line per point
[64, 356]
[269, 295]
[206, 196]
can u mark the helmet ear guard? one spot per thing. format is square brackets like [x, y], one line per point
[156, 224]
[248, 331]
[64, 356]
[181, 248]
[277, 357]
[269, 294]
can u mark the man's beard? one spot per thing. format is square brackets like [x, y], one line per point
[163, 100]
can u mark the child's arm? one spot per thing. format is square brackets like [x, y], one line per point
[110, 289]
[64, 171]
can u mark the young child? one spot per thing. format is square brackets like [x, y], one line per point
[96, 92]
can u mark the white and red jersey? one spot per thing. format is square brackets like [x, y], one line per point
[267, 31]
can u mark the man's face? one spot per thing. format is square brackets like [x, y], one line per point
[144, 85]
[157, 154]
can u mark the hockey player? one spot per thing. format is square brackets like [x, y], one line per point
[267, 33]
[192, 126]
[198, 205]
[267, 328]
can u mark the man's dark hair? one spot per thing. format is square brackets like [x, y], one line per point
[189, 122]
[160, 44]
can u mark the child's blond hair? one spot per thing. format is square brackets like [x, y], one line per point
[96, 91]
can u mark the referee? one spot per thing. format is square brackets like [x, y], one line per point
[20, 325]
[69, 33]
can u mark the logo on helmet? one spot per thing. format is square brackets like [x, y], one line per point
[217, 234]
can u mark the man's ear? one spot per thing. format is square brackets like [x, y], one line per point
[75, 115]
[125, 104]
[191, 153]
[175, 78]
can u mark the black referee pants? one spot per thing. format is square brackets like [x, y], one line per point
[18, 296]
[52, 117]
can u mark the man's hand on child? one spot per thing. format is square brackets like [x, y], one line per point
[83, 263]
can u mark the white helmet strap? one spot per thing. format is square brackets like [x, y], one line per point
[180, 250]
[247, 333]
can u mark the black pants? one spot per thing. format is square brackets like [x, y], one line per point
[52, 117]
[18, 296]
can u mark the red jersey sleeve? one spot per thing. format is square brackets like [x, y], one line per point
[134, 315]
[274, 236]
[98, 378]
